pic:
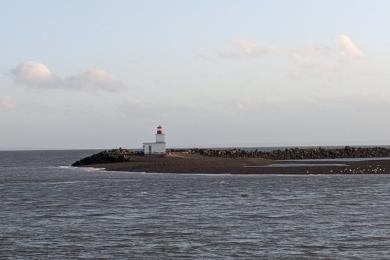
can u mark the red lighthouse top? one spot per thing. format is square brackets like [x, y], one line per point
[159, 130]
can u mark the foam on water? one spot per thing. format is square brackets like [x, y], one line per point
[88, 169]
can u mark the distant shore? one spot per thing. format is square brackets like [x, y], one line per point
[192, 163]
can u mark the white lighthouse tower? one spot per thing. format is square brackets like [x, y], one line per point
[157, 147]
[160, 136]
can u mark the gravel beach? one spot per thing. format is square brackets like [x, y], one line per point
[192, 164]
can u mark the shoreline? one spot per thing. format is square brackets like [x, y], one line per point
[183, 163]
[233, 174]
[196, 161]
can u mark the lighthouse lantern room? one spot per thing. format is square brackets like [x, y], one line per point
[157, 147]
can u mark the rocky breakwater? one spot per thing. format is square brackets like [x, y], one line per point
[245, 161]
[297, 153]
[108, 156]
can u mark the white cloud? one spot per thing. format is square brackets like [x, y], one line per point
[248, 47]
[348, 48]
[35, 74]
[7, 104]
[308, 54]
[94, 79]
[31, 72]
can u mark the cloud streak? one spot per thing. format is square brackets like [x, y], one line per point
[35, 74]
[345, 49]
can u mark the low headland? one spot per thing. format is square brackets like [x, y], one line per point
[347, 160]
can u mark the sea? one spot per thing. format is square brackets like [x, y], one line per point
[49, 210]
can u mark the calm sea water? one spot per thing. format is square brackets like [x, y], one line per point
[52, 212]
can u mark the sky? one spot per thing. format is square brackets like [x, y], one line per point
[214, 73]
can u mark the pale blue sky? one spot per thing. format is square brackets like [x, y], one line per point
[100, 74]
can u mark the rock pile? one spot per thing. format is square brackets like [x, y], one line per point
[108, 156]
[297, 153]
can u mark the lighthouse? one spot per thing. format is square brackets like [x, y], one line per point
[160, 136]
[158, 147]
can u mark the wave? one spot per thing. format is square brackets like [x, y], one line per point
[89, 169]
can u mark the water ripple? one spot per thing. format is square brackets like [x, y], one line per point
[63, 213]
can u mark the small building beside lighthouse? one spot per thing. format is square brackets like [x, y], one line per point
[158, 147]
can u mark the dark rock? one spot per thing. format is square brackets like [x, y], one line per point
[297, 153]
[108, 156]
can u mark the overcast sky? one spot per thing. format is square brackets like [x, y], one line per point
[102, 74]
